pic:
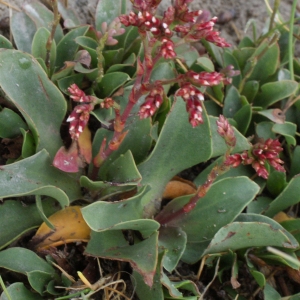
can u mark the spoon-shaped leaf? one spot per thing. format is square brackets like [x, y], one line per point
[41, 103]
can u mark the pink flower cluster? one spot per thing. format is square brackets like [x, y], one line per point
[145, 21]
[260, 154]
[79, 117]
[191, 26]
[182, 12]
[192, 96]
[193, 99]
[225, 130]
[152, 102]
[205, 78]
[196, 31]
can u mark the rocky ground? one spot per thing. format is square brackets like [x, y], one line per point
[235, 14]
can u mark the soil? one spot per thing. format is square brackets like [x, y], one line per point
[235, 13]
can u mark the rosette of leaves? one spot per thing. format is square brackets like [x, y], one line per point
[46, 58]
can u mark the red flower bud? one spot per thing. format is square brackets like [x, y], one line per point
[167, 49]
[205, 78]
[78, 119]
[77, 94]
[226, 131]
[193, 99]
[152, 102]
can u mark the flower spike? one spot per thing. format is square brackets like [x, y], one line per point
[261, 153]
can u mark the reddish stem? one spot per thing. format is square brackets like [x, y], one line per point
[168, 218]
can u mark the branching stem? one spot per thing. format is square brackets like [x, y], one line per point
[217, 170]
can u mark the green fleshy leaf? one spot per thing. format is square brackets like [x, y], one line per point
[259, 277]
[28, 147]
[217, 204]
[264, 130]
[243, 55]
[259, 205]
[5, 43]
[250, 90]
[275, 226]
[138, 141]
[276, 182]
[43, 107]
[232, 102]
[43, 65]
[104, 116]
[203, 64]
[292, 226]
[246, 42]
[67, 47]
[276, 259]
[101, 190]
[112, 57]
[91, 74]
[88, 42]
[65, 82]
[177, 134]
[186, 285]
[217, 92]
[288, 130]
[128, 216]
[38, 48]
[143, 290]
[17, 219]
[266, 65]
[17, 291]
[289, 196]
[173, 241]
[111, 82]
[124, 170]
[51, 287]
[127, 64]
[23, 261]
[295, 164]
[68, 15]
[270, 293]
[36, 176]
[23, 30]
[10, 124]
[64, 71]
[129, 40]
[275, 115]
[171, 289]
[39, 280]
[214, 52]
[243, 118]
[142, 256]
[42, 17]
[163, 71]
[273, 92]
[39, 206]
[108, 10]
[187, 53]
[244, 235]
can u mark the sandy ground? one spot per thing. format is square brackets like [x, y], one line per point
[237, 13]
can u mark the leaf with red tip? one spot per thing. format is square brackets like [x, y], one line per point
[67, 160]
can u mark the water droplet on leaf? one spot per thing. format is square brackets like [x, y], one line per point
[24, 63]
